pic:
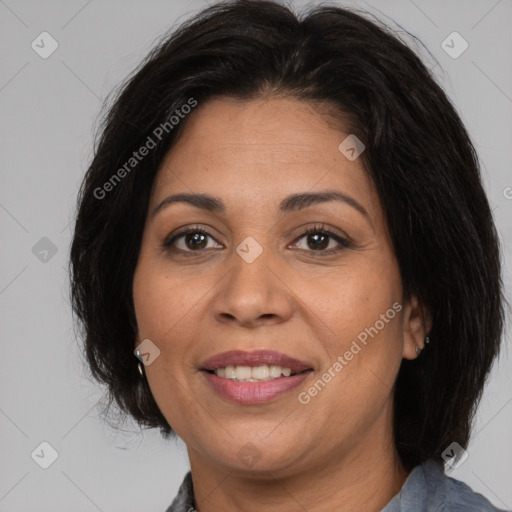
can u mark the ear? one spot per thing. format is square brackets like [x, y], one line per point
[417, 322]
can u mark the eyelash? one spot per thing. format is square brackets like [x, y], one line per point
[315, 230]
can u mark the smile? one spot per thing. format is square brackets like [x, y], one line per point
[254, 377]
[253, 374]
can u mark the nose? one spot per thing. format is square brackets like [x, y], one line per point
[253, 293]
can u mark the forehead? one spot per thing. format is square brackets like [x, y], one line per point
[261, 148]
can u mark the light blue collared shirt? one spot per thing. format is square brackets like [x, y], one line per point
[427, 489]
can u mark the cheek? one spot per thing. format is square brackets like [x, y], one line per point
[359, 319]
[160, 299]
[168, 308]
[164, 307]
[353, 298]
[150, 299]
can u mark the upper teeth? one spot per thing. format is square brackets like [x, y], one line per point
[254, 373]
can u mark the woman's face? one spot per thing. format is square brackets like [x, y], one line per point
[256, 282]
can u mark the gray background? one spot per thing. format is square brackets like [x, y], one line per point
[48, 111]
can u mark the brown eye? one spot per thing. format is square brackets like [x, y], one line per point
[195, 241]
[318, 239]
[189, 240]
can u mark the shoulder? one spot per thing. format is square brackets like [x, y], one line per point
[447, 494]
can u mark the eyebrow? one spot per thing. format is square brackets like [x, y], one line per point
[293, 202]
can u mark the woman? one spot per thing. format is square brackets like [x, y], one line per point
[284, 221]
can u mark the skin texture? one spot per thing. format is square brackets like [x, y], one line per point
[337, 450]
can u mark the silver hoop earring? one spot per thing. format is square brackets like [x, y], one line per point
[139, 365]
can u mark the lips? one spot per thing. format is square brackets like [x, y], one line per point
[254, 358]
[254, 392]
